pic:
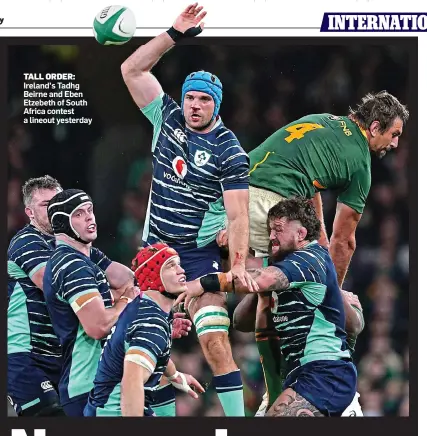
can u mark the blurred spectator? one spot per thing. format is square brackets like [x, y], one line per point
[265, 87]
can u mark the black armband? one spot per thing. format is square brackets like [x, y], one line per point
[216, 283]
[210, 283]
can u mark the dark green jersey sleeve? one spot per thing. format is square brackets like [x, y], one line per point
[356, 192]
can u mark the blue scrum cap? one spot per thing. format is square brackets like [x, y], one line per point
[204, 81]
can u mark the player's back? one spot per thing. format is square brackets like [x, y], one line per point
[309, 315]
[316, 152]
[190, 172]
[70, 274]
[29, 325]
[143, 326]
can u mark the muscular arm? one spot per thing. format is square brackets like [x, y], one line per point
[119, 275]
[317, 202]
[94, 317]
[236, 203]
[343, 240]
[142, 85]
[268, 279]
[354, 322]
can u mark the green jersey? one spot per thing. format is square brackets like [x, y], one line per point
[315, 153]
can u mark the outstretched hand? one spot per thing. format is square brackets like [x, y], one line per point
[191, 17]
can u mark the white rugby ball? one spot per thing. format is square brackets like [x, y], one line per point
[114, 25]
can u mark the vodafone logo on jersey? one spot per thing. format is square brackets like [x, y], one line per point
[179, 167]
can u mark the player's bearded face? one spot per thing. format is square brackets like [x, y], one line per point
[283, 237]
[198, 110]
[381, 143]
[83, 222]
[173, 277]
[37, 210]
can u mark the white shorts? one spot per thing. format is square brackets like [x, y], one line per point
[354, 408]
[260, 202]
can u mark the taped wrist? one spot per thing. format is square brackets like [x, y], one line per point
[176, 35]
[216, 282]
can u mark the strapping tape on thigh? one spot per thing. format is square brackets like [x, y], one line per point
[211, 319]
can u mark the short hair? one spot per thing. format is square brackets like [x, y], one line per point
[382, 107]
[32, 185]
[298, 209]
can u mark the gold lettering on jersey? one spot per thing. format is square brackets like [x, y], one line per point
[345, 129]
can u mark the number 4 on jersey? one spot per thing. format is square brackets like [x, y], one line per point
[297, 131]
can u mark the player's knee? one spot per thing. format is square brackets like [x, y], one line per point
[217, 350]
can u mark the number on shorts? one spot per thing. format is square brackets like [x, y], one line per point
[297, 131]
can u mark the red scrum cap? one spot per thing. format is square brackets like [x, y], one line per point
[147, 266]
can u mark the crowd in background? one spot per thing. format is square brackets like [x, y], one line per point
[265, 87]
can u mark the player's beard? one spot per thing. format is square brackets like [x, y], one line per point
[380, 154]
[42, 224]
[200, 127]
[281, 253]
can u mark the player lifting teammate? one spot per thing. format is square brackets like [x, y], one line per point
[308, 314]
[310, 155]
[199, 171]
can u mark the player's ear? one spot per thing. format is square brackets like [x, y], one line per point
[302, 233]
[29, 212]
[374, 128]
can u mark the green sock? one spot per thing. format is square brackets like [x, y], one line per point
[165, 401]
[269, 351]
[229, 388]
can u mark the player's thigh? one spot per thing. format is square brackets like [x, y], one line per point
[30, 389]
[209, 314]
[198, 262]
[329, 385]
[260, 202]
[291, 403]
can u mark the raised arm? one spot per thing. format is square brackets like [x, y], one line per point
[142, 85]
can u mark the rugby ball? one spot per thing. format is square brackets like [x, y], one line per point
[114, 25]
